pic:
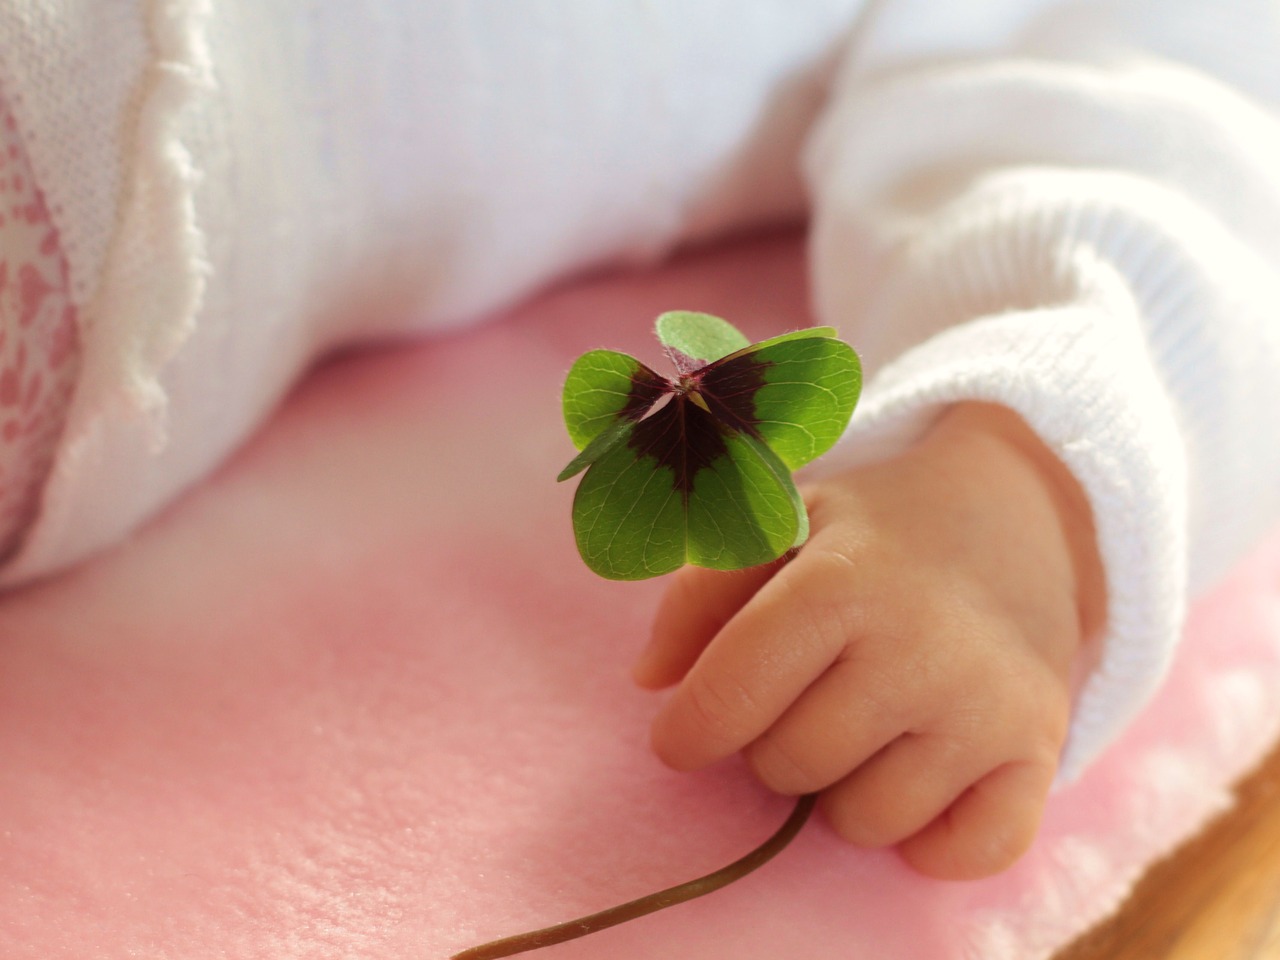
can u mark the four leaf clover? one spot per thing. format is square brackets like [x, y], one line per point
[697, 468]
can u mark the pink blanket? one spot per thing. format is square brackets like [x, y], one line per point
[355, 696]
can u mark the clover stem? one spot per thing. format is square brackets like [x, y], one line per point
[595, 922]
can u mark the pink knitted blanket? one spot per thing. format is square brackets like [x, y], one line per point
[356, 697]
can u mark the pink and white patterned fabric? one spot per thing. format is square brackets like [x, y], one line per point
[39, 343]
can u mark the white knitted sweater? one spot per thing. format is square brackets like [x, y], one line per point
[1072, 208]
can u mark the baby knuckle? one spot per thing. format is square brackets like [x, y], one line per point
[853, 823]
[967, 725]
[719, 707]
[1043, 716]
[1051, 736]
[994, 850]
[821, 598]
[830, 565]
[1020, 710]
[784, 768]
[1043, 755]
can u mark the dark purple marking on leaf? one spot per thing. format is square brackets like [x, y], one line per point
[729, 389]
[647, 388]
[682, 436]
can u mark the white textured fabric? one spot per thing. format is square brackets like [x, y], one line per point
[1072, 208]
[71, 71]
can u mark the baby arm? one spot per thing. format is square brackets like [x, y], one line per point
[914, 661]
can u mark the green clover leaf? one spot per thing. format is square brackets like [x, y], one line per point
[697, 469]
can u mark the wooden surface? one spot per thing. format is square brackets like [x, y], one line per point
[1218, 898]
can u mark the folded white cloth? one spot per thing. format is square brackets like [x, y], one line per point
[241, 186]
[1064, 206]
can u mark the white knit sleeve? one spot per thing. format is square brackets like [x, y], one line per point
[1073, 209]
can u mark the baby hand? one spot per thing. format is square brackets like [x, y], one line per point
[913, 661]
